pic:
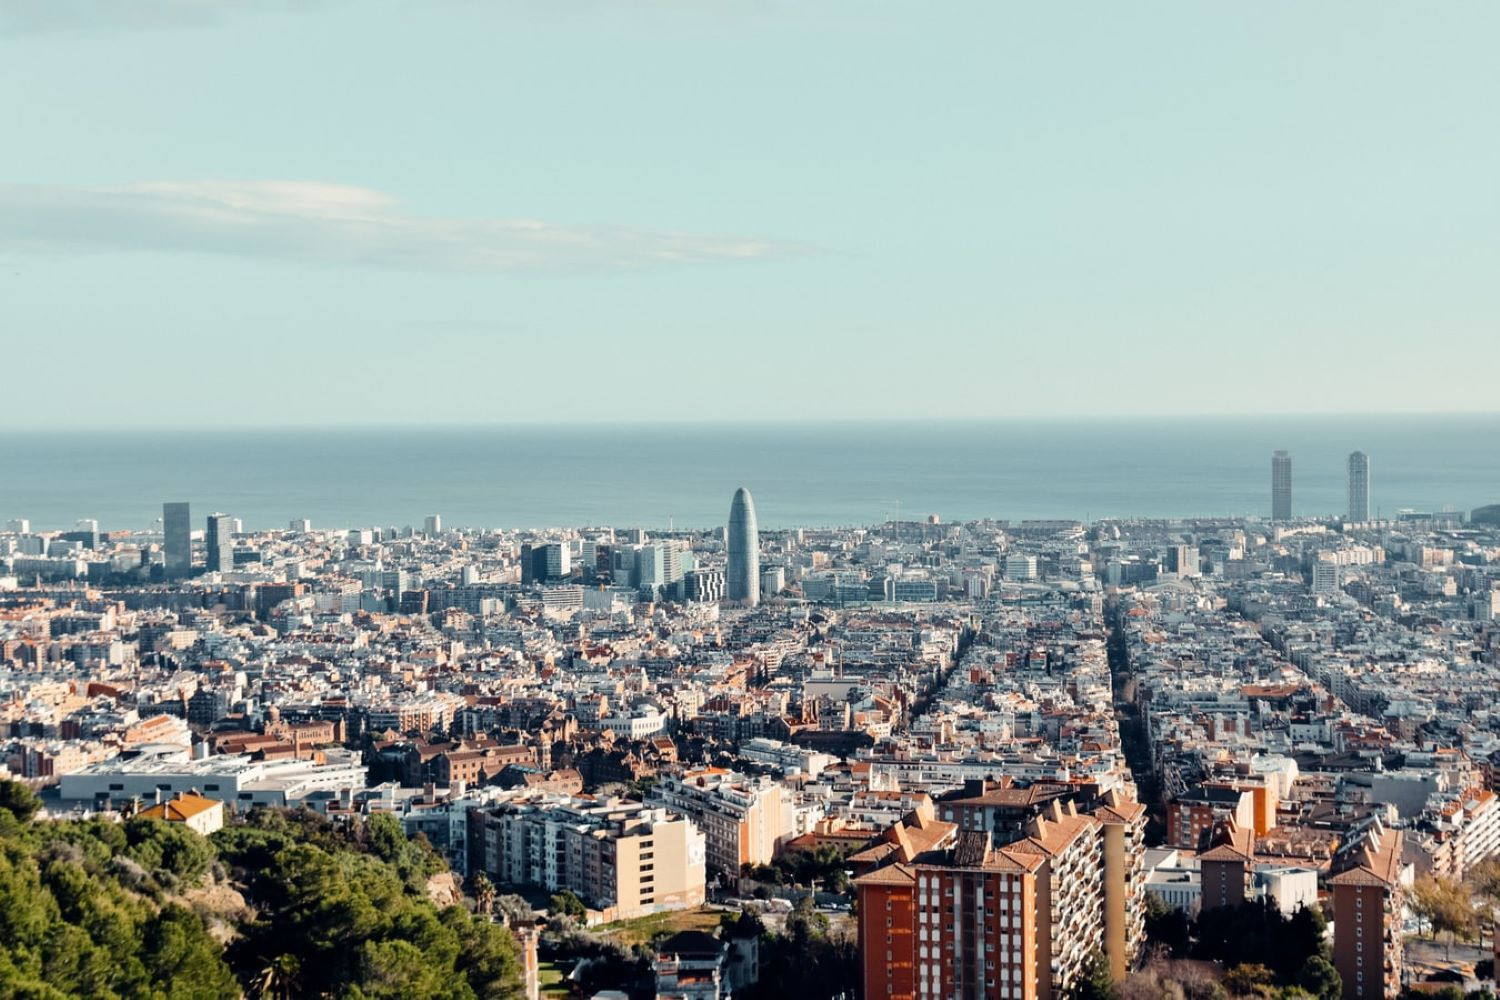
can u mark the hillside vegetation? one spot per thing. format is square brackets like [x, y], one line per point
[278, 905]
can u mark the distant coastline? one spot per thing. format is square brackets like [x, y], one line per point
[816, 474]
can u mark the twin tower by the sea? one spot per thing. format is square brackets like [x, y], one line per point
[801, 474]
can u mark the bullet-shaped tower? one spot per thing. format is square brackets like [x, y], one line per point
[742, 583]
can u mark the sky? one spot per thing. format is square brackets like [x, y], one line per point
[240, 213]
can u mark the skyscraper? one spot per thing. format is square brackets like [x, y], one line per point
[177, 538]
[742, 583]
[1281, 486]
[220, 542]
[1359, 486]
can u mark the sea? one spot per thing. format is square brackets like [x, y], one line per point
[801, 474]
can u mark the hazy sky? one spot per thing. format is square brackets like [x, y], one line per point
[260, 212]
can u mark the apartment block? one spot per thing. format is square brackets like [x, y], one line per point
[620, 857]
[964, 918]
[744, 820]
[1367, 902]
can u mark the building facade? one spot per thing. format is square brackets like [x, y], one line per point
[974, 921]
[620, 857]
[1281, 486]
[742, 581]
[1367, 901]
[219, 540]
[177, 538]
[1359, 486]
[744, 820]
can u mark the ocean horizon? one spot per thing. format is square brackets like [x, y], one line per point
[801, 475]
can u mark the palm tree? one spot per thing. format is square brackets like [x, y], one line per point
[278, 980]
[484, 892]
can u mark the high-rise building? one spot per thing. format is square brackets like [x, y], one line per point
[1183, 560]
[1019, 566]
[542, 561]
[773, 580]
[652, 564]
[1359, 486]
[220, 542]
[1367, 905]
[177, 538]
[704, 585]
[947, 913]
[1281, 486]
[433, 525]
[559, 560]
[742, 581]
[1325, 577]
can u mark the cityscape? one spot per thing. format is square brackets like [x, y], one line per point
[749, 500]
[838, 737]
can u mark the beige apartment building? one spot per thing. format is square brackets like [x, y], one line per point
[622, 858]
[744, 820]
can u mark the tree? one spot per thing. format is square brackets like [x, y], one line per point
[1319, 978]
[568, 904]
[172, 848]
[1258, 933]
[484, 892]
[86, 909]
[487, 955]
[1447, 907]
[180, 954]
[1167, 927]
[514, 909]
[278, 980]
[1250, 980]
[1095, 981]
[19, 800]
[1484, 879]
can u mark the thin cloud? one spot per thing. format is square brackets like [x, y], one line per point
[331, 223]
[112, 17]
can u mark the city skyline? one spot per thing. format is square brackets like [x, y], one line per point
[495, 207]
[958, 708]
[421, 657]
[1354, 486]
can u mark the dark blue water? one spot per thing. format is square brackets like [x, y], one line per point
[837, 474]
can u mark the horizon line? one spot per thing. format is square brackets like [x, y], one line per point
[604, 423]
